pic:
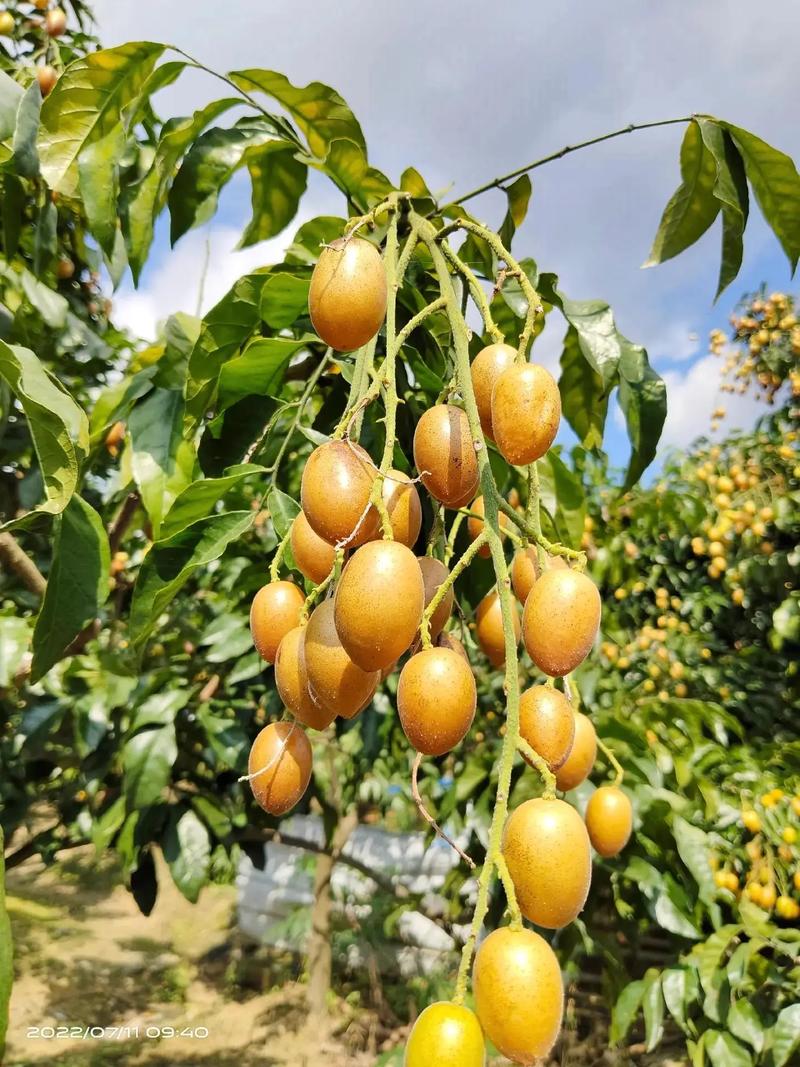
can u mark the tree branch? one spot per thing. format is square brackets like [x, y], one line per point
[13, 558]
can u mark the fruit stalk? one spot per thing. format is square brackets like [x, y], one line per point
[457, 569]
[277, 559]
[311, 385]
[619, 770]
[478, 295]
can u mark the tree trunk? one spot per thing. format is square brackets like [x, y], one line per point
[319, 943]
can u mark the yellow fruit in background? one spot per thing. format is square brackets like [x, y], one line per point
[751, 821]
[578, 764]
[446, 1035]
[789, 835]
[768, 897]
[609, 820]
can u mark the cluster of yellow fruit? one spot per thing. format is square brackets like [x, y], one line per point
[387, 603]
[54, 24]
[767, 324]
[661, 669]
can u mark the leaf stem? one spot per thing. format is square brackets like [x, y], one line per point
[612, 759]
[304, 398]
[478, 295]
[277, 559]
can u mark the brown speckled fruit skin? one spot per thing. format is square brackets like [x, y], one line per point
[519, 993]
[279, 789]
[378, 605]
[547, 851]
[334, 681]
[609, 820]
[578, 765]
[436, 700]
[475, 526]
[292, 683]
[313, 555]
[547, 723]
[434, 573]
[444, 450]
[347, 296]
[526, 410]
[486, 368]
[489, 628]
[560, 621]
[452, 642]
[525, 570]
[404, 507]
[274, 612]
[334, 490]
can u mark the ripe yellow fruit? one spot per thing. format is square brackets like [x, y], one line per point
[489, 631]
[47, 77]
[789, 835]
[561, 620]
[274, 612]
[436, 700]
[281, 760]
[434, 573]
[444, 455]
[378, 604]
[402, 502]
[486, 368]
[334, 493]
[768, 897]
[347, 296]
[547, 723]
[519, 994]
[546, 848]
[526, 409]
[578, 764]
[291, 681]
[334, 681]
[475, 525]
[609, 820]
[525, 570]
[6, 23]
[446, 1035]
[313, 555]
[55, 22]
[796, 879]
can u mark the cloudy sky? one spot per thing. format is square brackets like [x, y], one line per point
[468, 91]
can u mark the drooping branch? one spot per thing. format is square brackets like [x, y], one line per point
[13, 558]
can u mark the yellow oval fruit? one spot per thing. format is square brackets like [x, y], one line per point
[519, 994]
[334, 493]
[609, 820]
[434, 573]
[486, 368]
[313, 555]
[489, 627]
[578, 765]
[347, 296]
[280, 759]
[291, 681]
[444, 455]
[446, 1035]
[334, 681]
[378, 605]
[547, 851]
[55, 22]
[475, 525]
[525, 570]
[452, 642]
[47, 77]
[402, 502]
[274, 612]
[436, 700]
[6, 23]
[560, 621]
[547, 723]
[526, 409]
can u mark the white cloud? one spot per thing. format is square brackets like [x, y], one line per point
[693, 396]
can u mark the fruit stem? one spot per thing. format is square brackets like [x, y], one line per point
[533, 510]
[478, 295]
[429, 309]
[450, 546]
[510, 891]
[277, 559]
[532, 756]
[437, 532]
[426, 815]
[358, 387]
[552, 548]
[320, 588]
[457, 569]
[612, 759]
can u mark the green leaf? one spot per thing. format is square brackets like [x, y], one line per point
[11, 94]
[671, 916]
[45, 238]
[25, 160]
[197, 500]
[187, 850]
[786, 1035]
[680, 988]
[162, 460]
[56, 423]
[15, 640]
[159, 709]
[258, 371]
[346, 162]
[13, 212]
[563, 496]
[282, 510]
[77, 586]
[147, 760]
[170, 563]
[226, 738]
[105, 827]
[519, 195]
[730, 189]
[98, 181]
[693, 207]
[694, 849]
[312, 235]
[709, 954]
[584, 396]
[116, 401]
[278, 182]
[653, 1010]
[625, 1010]
[86, 104]
[744, 1022]
[643, 399]
[725, 1051]
[6, 951]
[776, 185]
[284, 299]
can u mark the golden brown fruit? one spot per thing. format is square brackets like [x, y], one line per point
[444, 455]
[313, 554]
[291, 682]
[446, 1035]
[526, 409]
[334, 492]
[547, 851]
[6, 23]
[347, 297]
[334, 681]
[489, 627]
[403, 505]
[378, 605]
[55, 22]
[436, 700]
[274, 612]
[47, 77]
[560, 621]
[578, 765]
[115, 437]
[452, 642]
[475, 526]
[486, 368]
[547, 723]
[609, 820]
[65, 269]
[434, 573]
[525, 570]
[281, 754]
[519, 993]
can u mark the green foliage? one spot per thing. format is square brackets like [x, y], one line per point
[6, 958]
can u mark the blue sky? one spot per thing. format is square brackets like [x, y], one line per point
[466, 92]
